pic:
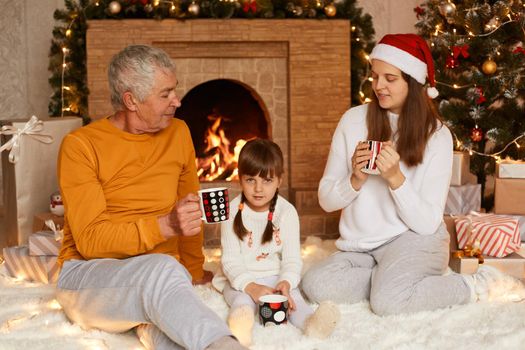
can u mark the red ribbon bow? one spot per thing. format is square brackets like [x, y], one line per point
[460, 50]
[250, 6]
[519, 49]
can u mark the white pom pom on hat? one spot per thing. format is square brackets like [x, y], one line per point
[411, 54]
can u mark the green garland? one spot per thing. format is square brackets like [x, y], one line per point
[70, 84]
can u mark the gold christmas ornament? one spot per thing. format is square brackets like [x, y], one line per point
[114, 7]
[447, 9]
[330, 10]
[489, 67]
[194, 9]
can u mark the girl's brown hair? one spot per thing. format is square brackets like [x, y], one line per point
[264, 158]
[418, 120]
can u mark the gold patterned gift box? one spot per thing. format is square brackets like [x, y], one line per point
[20, 264]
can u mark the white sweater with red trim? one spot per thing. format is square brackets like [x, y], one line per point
[245, 261]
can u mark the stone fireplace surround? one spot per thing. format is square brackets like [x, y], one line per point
[299, 69]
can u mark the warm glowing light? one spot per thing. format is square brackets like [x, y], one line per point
[67, 88]
[367, 100]
[218, 161]
[353, 28]
[455, 86]
[68, 32]
[54, 305]
[367, 57]
[370, 79]
[64, 49]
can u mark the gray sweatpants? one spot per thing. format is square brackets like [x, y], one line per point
[151, 291]
[401, 276]
[236, 299]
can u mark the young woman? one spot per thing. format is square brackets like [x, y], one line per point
[394, 247]
[261, 248]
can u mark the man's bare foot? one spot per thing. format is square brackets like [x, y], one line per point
[208, 275]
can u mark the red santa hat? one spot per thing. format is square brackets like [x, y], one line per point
[409, 53]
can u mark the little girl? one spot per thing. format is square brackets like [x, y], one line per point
[261, 248]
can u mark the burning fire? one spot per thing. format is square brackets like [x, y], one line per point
[218, 162]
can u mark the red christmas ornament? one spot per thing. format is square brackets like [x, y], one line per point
[460, 50]
[250, 5]
[481, 98]
[519, 50]
[419, 11]
[451, 62]
[476, 134]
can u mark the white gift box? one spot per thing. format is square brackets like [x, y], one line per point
[44, 243]
[29, 164]
[463, 199]
[511, 169]
[20, 264]
[461, 174]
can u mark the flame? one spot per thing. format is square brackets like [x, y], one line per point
[218, 162]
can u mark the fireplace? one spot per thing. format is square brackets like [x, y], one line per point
[286, 80]
[222, 115]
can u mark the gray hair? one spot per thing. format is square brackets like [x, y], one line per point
[133, 69]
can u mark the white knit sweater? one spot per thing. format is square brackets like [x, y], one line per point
[244, 261]
[375, 214]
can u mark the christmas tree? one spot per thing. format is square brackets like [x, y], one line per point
[479, 54]
[68, 49]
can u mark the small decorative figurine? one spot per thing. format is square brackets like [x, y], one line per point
[56, 206]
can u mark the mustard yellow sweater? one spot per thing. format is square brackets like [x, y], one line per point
[114, 186]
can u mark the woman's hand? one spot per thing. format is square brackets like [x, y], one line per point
[255, 291]
[388, 164]
[359, 159]
[283, 287]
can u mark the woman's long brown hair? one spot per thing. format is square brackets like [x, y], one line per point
[418, 120]
[264, 158]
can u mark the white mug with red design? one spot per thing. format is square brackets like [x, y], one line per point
[375, 148]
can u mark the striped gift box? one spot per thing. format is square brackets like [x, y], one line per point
[497, 235]
[20, 264]
[43, 243]
[463, 199]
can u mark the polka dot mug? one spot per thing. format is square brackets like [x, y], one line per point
[215, 205]
[273, 309]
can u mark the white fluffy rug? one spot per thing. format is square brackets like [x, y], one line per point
[31, 319]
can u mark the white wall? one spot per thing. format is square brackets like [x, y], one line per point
[391, 16]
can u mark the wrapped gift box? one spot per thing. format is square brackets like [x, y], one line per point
[20, 264]
[497, 235]
[39, 221]
[521, 224]
[461, 174]
[514, 169]
[29, 174]
[463, 199]
[513, 264]
[44, 243]
[509, 196]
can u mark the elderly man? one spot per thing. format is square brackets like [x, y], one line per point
[128, 184]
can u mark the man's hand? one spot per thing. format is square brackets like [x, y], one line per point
[255, 291]
[184, 219]
[283, 287]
